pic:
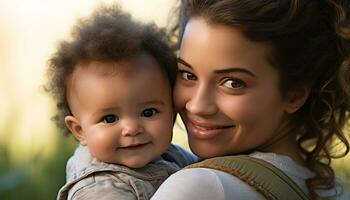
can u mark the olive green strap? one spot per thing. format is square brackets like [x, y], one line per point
[270, 181]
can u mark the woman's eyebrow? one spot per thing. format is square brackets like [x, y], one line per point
[180, 60]
[220, 71]
[235, 69]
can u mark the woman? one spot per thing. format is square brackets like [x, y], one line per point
[265, 78]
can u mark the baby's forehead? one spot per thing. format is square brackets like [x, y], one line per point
[143, 67]
[104, 83]
[127, 65]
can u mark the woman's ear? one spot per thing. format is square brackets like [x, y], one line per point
[296, 98]
[74, 126]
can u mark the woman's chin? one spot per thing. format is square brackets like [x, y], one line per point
[204, 151]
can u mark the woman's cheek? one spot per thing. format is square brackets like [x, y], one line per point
[239, 108]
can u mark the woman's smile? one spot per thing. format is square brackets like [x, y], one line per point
[205, 130]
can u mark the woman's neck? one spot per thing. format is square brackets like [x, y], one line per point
[287, 146]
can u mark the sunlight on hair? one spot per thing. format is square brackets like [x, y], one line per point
[157, 10]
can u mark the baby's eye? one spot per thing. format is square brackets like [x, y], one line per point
[235, 84]
[108, 119]
[149, 112]
[187, 75]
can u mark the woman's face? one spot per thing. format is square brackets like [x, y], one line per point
[227, 93]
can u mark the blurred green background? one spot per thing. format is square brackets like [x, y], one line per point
[33, 153]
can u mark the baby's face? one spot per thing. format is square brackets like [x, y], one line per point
[122, 110]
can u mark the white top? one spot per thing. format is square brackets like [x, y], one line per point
[209, 184]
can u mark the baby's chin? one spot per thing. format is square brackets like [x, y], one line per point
[135, 165]
[131, 163]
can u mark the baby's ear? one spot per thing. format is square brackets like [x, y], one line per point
[296, 98]
[74, 126]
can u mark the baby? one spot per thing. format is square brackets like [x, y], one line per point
[112, 83]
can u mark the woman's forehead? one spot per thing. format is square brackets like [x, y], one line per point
[221, 46]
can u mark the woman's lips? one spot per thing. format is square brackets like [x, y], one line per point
[204, 130]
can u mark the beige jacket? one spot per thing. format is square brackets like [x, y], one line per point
[88, 178]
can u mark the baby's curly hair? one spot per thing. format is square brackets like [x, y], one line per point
[109, 34]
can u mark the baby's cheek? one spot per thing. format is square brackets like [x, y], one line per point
[102, 141]
[181, 95]
[162, 130]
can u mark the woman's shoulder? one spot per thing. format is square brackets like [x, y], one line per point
[203, 183]
[299, 174]
[284, 163]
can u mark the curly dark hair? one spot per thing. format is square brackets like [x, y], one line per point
[109, 34]
[310, 42]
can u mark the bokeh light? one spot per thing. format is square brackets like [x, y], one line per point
[32, 152]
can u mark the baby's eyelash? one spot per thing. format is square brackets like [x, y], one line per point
[108, 119]
[149, 112]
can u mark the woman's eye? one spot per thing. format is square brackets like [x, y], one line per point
[187, 75]
[235, 84]
[108, 119]
[149, 112]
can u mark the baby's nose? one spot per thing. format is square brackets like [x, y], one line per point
[132, 128]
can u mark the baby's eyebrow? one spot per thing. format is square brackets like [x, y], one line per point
[153, 102]
[105, 110]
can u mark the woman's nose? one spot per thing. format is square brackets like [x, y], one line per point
[202, 102]
[132, 127]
